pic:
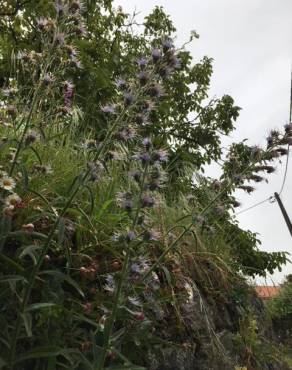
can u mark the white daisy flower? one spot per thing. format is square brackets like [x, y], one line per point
[12, 200]
[7, 183]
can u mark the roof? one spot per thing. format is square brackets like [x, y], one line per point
[266, 292]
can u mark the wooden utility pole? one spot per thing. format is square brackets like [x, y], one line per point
[285, 214]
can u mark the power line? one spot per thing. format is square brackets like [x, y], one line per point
[255, 205]
[285, 173]
[287, 158]
[286, 166]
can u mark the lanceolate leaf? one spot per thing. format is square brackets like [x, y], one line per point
[60, 276]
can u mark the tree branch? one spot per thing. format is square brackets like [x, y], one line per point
[18, 6]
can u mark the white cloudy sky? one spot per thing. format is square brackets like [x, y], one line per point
[251, 43]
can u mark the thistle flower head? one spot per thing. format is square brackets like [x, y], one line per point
[42, 23]
[45, 169]
[286, 140]
[81, 29]
[60, 38]
[108, 109]
[270, 141]
[149, 105]
[151, 235]
[115, 155]
[7, 183]
[236, 204]
[282, 151]
[121, 83]
[288, 128]
[274, 133]
[247, 188]
[147, 201]
[220, 209]
[71, 50]
[60, 8]
[90, 144]
[126, 134]
[125, 201]
[76, 62]
[141, 118]
[77, 6]
[156, 55]
[143, 77]
[48, 79]
[160, 155]
[256, 178]
[144, 157]
[216, 185]
[128, 99]
[273, 154]
[142, 62]
[174, 61]
[31, 137]
[146, 142]
[164, 71]
[110, 284]
[167, 44]
[156, 90]
[11, 110]
[268, 169]
[136, 174]
[130, 235]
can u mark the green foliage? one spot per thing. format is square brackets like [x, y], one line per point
[281, 306]
[104, 233]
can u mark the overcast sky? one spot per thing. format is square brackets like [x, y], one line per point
[251, 43]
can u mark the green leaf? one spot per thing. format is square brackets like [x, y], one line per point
[44, 352]
[61, 231]
[60, 276]
[27, 320]
[167, 275]
[25, 178]
[29, 251]
[91, 199]
[37, 306]
[10, 278]
[104, 207]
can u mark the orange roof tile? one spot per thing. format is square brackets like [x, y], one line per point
[266, 292]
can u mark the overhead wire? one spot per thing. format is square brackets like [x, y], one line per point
[271, 198]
